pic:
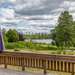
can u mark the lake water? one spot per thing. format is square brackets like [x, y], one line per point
[48, 41]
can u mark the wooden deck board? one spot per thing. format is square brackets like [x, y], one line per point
[15, 72]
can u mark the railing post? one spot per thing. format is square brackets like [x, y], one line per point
[44, 67]
[5, 62]
[23, 68]
[72, 68]
[5, 66]
[22, 61]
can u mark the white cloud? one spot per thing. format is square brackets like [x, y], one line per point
[72, 4]
[7, 13]
[58, 10]
[65, 4]
[7, 1]
[29, 5]
[36, 22]
[72, 9]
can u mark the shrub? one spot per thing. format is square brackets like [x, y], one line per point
[10, 46]
[59, 52]
[20, 45]
[72, 48]
[15, 45]
[16, 50]
[52, 47]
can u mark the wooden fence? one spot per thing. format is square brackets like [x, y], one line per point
[46, 62]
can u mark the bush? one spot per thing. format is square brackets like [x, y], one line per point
[64, 52]
[15, 45]
[52, 48]
[53, 52]
[20, 44]
[16, 50]
[72, 48]
[59, 52]
[10, 46]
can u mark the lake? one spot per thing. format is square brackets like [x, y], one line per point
[47, 41]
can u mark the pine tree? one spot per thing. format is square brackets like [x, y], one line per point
[62, 34]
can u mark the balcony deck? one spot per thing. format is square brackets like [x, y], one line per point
[15, 72]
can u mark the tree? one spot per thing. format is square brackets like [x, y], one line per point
[73, 33]
[21, 37]
[12, 35]
[62, 33]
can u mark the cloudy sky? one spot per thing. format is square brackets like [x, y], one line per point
[33, 15]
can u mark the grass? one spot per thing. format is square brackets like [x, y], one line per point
[30, 47]
[66, 52]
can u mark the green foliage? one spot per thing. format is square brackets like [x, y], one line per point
[30, 45]
[62, 34]
[20, 44]
[12, 35]
[10, 45]
[59, 52]
[15, 45]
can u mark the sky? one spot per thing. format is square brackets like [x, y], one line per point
[34, 16]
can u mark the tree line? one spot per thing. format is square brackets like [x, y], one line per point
[12, 36]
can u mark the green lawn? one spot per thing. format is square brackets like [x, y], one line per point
[30, 47]
[66, 52]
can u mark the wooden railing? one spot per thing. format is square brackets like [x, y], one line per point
[41, 61]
